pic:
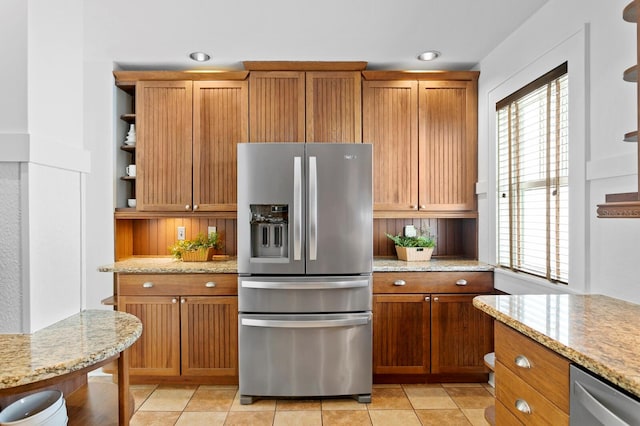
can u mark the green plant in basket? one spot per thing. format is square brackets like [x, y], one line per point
[422, 239]
[200, 243]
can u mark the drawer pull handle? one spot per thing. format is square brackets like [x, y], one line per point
[522, 406]
[399, 282]
[435, 299]
[461, 282]
[174, 300]
[210, 284]
[426, 299]
[522, 361]
[183, 300]
[148, 284]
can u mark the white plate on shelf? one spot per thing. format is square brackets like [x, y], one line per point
[130, 143]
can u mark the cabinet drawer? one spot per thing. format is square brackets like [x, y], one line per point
[432, 282]
[177, 284]
[511, 391]
[547, 371]
[504, 416]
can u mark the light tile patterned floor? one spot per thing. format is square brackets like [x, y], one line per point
[405, 405]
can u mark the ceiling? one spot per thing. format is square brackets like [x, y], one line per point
[148, 34]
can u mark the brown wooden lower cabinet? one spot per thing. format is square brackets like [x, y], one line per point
[186, 338]
[461, 335]
[532, 381]
[430, 337]
[401, 330]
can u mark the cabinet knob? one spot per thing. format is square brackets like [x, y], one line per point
[187, 207]
[210, 284]
[147, 284]
[399, 282]
[435, 299]
[413, 207]
[523, 406]
[461, 282]
[522, 361]
[195, 207]
[426, 299]
[183, 300]
[423, 206]
[174, 300]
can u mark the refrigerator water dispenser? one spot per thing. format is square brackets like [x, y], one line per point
[269, 231]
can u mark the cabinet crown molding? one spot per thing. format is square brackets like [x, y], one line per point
[304, 65]
[421, 75]
[128, 79]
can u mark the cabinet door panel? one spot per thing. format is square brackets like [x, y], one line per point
[390, 123]
[157, 351]
[460, 335]
[209, 336]
[401, 334]
[276, 106]
[220, 121]
[164, 145]
[333, 107]
[448, 139]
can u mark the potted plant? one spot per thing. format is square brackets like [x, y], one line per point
[198, 250]
[414, 248]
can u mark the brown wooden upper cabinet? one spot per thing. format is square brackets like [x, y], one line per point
[424, 134]
[186, 144]
[299, 106]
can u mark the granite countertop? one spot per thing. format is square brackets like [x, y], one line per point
[597, 332]
[72, 344]
[168, 265]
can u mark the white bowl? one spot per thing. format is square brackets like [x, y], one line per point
[32, 409]
[59, 418]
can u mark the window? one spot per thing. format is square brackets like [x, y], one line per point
[533, 175]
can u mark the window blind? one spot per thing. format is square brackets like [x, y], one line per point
[533, 171]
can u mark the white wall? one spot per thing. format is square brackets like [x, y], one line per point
[99, 112]
[610, 264]
[42, 162]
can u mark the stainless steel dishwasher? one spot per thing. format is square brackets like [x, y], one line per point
[597, 402]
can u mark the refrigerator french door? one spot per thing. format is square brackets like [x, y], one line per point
[305, 257]
[309, 207]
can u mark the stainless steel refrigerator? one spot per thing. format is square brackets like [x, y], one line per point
[305, 256]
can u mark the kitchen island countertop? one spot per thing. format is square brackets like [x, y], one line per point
[597, 332]
[168, 265]
[75, 343]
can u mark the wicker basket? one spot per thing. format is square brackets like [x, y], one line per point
[414, 254]
[200, 255]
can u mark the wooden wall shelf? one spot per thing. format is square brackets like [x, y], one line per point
[631, 74]
[132, 213]
[627, 205]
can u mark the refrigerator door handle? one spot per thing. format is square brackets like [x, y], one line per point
[313, 209]
[297, 208]
[306, 324]
[310, 285]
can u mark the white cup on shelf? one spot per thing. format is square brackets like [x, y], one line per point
[130, 170]
[131, 202]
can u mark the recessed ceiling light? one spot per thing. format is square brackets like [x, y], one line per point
[429, 55]
[199, 56]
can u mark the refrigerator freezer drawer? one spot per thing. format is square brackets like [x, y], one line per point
[305, 355]
[305, 294]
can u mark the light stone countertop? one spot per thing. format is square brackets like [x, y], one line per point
[168, 265]
[72, 344]
[597, 332]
